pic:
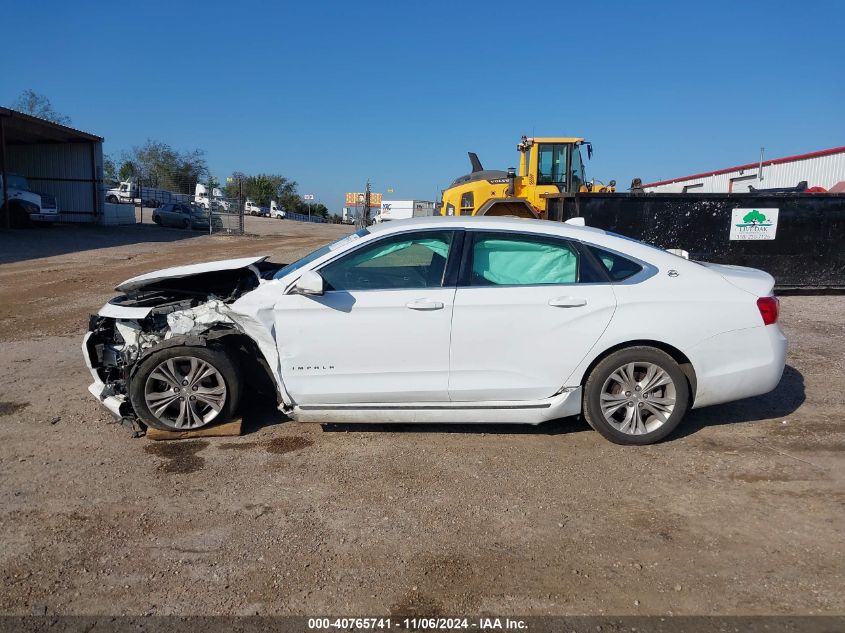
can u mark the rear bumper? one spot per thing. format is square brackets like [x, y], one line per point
[738, 364]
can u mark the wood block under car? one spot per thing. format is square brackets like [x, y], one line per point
[227, 429]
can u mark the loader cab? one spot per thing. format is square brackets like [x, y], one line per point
[558, 163]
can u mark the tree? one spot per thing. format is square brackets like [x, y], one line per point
[109, 169]
[127, 170]
[319, 209]
[263, 188]
[159, 165]
[754, 217]
[34, 104]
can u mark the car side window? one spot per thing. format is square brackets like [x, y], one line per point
[522, 260]
[618, 268]
[415, 260]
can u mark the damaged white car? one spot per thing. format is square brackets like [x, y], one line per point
[443, 320]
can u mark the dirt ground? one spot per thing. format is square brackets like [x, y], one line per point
[740, 512]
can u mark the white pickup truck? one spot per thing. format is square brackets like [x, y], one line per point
[24, 204]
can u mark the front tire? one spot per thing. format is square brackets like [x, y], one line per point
[637, 395]
[184, 388]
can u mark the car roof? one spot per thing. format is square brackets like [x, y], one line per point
[591, 235]
[487, 222]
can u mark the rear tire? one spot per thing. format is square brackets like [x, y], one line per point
[637, 395]
[162, 388]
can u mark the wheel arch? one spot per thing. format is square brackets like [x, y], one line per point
[244, 351]
[518, 207]
[256, 371]
[677, 355]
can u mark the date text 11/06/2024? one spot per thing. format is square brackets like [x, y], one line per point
[417, 623]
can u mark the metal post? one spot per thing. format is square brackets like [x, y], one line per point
[760, 168]
[367, 205]
[3, 171]
[94, 183]
[140, 195]
[210, 194]
[240, 205]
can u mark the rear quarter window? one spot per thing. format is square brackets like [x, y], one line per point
[618, 268]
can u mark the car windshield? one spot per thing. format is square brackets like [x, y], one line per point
[319, 253]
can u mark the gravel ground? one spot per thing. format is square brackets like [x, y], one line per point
[740, 512]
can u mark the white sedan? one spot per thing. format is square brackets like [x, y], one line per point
[494, 320]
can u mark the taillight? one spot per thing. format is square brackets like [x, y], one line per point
[769, 308]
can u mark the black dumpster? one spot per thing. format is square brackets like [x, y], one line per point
[798, 238]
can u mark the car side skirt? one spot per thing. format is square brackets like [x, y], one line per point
[564, 404]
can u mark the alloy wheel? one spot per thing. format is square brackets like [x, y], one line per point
[185, 392]
[638, 398]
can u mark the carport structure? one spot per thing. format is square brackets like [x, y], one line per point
[57, 160]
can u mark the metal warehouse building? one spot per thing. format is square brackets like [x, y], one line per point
[824, 168]
[56, 160]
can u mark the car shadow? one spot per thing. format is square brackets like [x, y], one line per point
[34, 243]
[261, 412]
[554, 427]
[782, 401]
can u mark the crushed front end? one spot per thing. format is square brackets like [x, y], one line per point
[188, 305]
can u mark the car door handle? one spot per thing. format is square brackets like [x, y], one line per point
[424, 304]
[568, 302]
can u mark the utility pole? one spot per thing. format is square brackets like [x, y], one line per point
[3, 175]
[240, 205]
[364, 220]
[210, 197]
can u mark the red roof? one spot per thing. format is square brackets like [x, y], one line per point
[766, 163]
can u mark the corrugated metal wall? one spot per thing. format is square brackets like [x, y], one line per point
[66, 171]
[822, 171]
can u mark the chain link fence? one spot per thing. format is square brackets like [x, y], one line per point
[179, 203]
[189, 204]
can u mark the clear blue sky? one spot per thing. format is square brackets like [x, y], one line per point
[329, 94]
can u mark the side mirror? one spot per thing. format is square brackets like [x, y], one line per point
[311, 283]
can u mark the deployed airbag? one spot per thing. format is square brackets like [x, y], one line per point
[523, 263]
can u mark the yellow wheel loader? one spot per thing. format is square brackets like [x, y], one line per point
[549, 167]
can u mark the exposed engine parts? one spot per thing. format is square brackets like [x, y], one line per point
[190, 310]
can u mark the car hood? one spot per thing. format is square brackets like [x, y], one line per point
[179, 272]
[757, 282]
